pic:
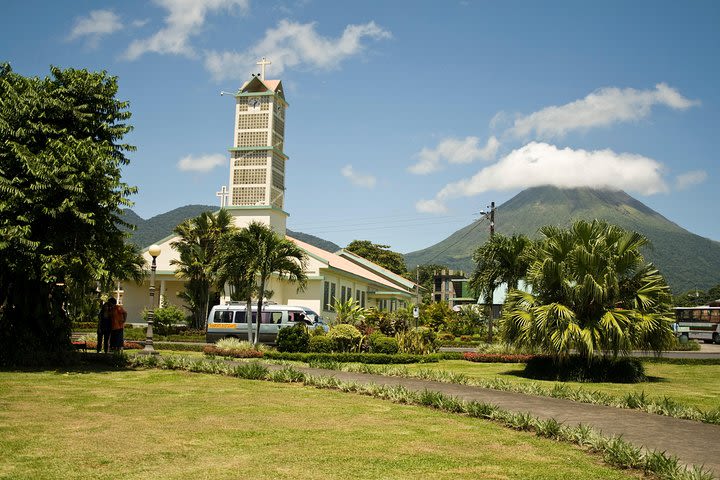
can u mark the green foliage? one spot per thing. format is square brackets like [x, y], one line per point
[378, 254]
[436, 315]
[501, 260]
[349, 312]
[293, 339]
[591, 292]
[198, 248]
[417, 341]
[236, 345]
[347, 338]
[379, 343]
[61, 199]
[165, 318]
[697, 297]
[321, 344]
[468, 321]
[579, 369]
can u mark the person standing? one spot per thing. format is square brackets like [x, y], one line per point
[104, 327]
[118, 317]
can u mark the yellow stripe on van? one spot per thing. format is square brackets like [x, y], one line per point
[221, 325]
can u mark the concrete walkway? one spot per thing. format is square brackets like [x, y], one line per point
[694, 443]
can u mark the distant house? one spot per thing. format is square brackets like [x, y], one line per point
[452, 286]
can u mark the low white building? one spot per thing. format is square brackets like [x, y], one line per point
[257, 187]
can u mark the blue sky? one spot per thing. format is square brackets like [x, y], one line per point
[406, 118]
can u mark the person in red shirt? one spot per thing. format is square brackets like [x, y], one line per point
[118, 317]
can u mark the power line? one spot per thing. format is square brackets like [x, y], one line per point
[371, 227]
[341, 223]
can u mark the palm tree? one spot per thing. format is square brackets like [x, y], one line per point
[197, 247]
[273, 254]
[591, 292]
[234, 267]
[500, 260]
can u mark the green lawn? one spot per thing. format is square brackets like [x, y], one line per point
[169, 424]
[695, 385]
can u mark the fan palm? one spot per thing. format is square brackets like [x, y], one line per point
[591, 292]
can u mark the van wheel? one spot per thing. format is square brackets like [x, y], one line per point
[716, 338]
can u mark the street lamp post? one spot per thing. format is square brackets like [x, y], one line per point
[154, 252]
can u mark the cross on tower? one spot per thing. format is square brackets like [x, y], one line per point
[223, 196]
[262, 64]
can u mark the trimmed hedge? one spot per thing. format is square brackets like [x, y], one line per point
[682, 361]
[374, 358]
[382, 344]
[293, 339]
[496, 357]
[321, 344]
[577, 369]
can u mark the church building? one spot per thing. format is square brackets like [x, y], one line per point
[256, 193]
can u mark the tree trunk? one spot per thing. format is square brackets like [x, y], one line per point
[248, 317]
[259, 310]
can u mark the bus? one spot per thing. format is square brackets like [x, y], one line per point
[698, 323]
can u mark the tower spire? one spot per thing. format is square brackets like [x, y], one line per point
[262, 64]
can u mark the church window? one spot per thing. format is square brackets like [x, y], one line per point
[250, 159]
[252, 139]
[250, 176]
[362, 299]
[326, 297]
[248, 196]
[253, 121]
[332, 293]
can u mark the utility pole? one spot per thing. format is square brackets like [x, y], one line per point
[492, 219]
[416, 310]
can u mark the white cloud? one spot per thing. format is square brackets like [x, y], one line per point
[689, 179]
[430, 206]
[293, 44]
[201, 163]
[538, 164]
[454, 150]
[185, 19]
[357, 179]
[601, 108]
[95, 25]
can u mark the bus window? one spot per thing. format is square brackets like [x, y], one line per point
[276, 317]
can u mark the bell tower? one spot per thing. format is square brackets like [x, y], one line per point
[257, 158]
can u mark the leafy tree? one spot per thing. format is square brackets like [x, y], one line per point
[436, 315]
[591, 292]
[379, 254]
[500, 260]
[695, 297]
[61, 154]
[348, 311]
[273, 254]
[197, 248]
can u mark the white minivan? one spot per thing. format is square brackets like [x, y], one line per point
[229, 321]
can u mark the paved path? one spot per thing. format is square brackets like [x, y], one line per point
[694, 443]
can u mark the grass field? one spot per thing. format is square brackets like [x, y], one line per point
[168, 424]
[695, 385]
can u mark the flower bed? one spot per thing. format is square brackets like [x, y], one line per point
[496, 357]
[213, 350]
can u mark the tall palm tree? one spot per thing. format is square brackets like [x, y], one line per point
[591, 292]
[500, 260]
[273, 255]
[234, 265]
[197, 247]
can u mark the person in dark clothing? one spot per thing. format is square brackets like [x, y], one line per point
[104, 326]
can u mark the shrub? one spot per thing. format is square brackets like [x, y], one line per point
[417, 341]
[213, 350]
[382, 344]
[165, 318]
[293, 339]
[346, 337]
[446, 337]
[321, 344]
[235, 345]
[577, 369]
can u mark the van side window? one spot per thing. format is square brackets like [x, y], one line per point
[276, 317]
[267, 317]
[222, 316]
[240, 317]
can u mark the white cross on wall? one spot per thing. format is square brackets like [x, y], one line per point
[223, 196]
[262, 64]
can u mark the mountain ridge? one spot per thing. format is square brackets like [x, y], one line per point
[161, 226]
[687, 260]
